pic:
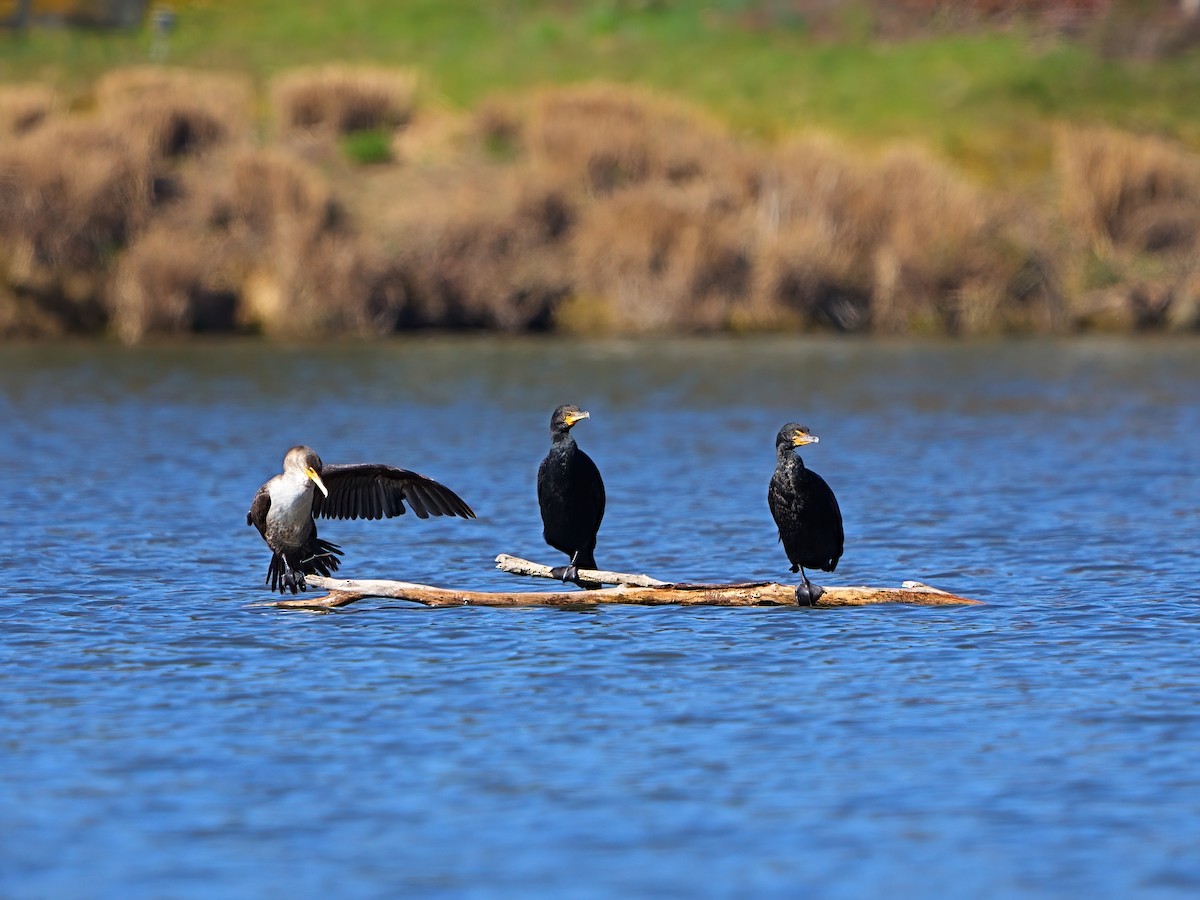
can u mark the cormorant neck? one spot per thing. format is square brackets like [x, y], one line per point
[561, 438]
[787, 455]
[298, 480]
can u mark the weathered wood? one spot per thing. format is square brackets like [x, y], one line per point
[342, 592]
[517, 566]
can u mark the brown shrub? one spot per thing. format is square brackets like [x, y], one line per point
[271, 196]
[302, 268]
[75, 190]
[334, 285]
[91, 185]
[488, 252]
[336, 100]
[172, 113]
[230, 93]
[940, 233]
[894, 245]
[816, 223]
[24, 107]
[1128, 191]
[498, 124]
[602, 138]
[662, 259]
[805, 276]
[171, 281]
[35, 304]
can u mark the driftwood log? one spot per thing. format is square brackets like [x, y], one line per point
[629, 589]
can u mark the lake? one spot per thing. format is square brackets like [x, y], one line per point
[167, 734]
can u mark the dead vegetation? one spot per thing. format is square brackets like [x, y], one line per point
[25, 106]
[153, 209]
[1132, 205]
[172, 113]
[333, 101]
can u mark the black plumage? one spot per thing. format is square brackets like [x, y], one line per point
[570, 496]
[284, 509]
[805, 509]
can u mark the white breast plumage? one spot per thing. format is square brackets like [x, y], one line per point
[290, 516]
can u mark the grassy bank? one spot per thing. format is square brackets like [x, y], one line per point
[957, 184]
[982, 99]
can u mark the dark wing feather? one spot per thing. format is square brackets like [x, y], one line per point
[416, 499]
[373, 491]
[591, 475]
[838, 535]
[259, 507]
[823, 519]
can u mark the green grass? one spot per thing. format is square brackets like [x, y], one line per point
[367, 147]
[985, 100]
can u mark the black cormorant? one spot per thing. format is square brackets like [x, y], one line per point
[285, 507]
[806, 511]
[571, 497]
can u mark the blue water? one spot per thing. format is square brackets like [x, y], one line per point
[167, 735]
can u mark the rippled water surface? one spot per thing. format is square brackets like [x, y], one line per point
[166, 735]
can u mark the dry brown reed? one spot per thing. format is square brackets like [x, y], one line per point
[331, 101]
[308, 270]
[72, 192]
[489, 252]
[167, 282]
[1134, 202]
[1135, 192]
[603, 138]
[894, 245]
[662, 260]
[24, 107]
[584, 209]
[259, 242]
[173, 113]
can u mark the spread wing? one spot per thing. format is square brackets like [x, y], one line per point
[371, 491]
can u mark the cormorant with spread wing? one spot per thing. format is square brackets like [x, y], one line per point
[284, 509]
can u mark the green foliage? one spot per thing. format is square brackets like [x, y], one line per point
[368, 147]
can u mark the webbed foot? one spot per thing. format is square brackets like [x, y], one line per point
[565, 573]
[807, 594]
[293, 581]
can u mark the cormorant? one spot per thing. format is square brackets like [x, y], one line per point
[285, 507]
[806, 511]
[571, 497]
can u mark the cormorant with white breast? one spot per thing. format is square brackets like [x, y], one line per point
[570, 496]
[284, 509]
[806, 511]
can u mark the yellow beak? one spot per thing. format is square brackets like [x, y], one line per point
[801, 439]
[572, 418]
[316, 479]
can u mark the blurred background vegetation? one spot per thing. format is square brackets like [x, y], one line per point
[618, 165]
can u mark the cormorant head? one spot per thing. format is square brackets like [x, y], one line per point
[304, 462]
[794, 435]
[565, 417]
